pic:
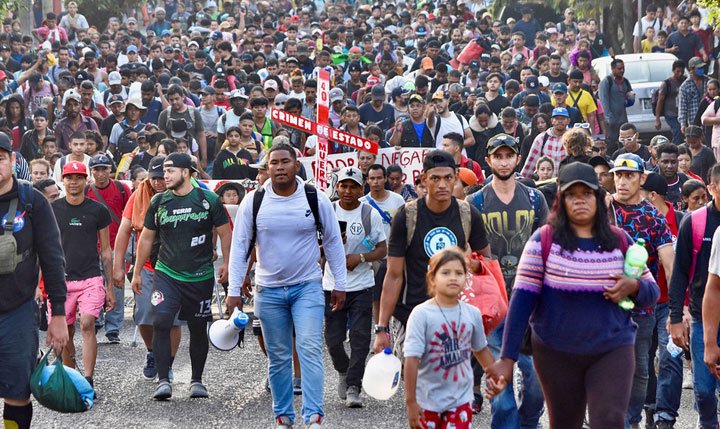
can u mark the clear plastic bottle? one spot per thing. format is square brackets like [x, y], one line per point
[673, 349]
[636, 259]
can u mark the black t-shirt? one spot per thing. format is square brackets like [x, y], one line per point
[107, 125]
[206, 72]
[433, 232]
[79, 226]
[674, 191]
[497, 104]
[384, 119]
[702, 162]
[562, 77]
[643, 153]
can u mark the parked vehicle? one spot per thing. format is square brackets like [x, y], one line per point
[646, 72]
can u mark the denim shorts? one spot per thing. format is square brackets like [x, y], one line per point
[18, 350]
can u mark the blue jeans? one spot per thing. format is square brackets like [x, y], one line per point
[279, 309]
[506, 414]
[674, 124]
[115, 318]
[669, 379]
[704, 384]
[643, 340]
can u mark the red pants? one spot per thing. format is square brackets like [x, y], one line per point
[457, 418]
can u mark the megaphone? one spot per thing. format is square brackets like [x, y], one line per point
[224, 334]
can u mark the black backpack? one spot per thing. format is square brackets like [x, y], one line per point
[312, 197]
[656, 96]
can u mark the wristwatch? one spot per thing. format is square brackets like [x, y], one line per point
[380, 328]
[362, 258]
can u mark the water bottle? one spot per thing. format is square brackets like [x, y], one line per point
[635, 261]
[382, 375]
[673, 349]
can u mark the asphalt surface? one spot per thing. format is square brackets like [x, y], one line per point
[238, 398]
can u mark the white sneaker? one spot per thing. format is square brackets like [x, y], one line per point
[315, 422]
[283, 422]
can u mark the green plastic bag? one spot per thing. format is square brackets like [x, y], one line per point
[58, 393]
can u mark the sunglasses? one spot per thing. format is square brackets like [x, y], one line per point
[502, 141]
[626, 139]
[630, 164]
[583, 125]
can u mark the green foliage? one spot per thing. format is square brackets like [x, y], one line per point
[713, 8]
[13, 5]
[98, 12]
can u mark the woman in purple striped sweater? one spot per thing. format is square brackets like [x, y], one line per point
[582, 340]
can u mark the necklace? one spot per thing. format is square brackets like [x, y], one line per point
[450, 325]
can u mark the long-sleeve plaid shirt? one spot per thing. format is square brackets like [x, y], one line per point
[689, 99]
[550, 146]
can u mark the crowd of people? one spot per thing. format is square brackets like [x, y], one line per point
[113, 134]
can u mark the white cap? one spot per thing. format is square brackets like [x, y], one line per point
[544, 81]
[271, 83]
[336, 94]
[114, 78]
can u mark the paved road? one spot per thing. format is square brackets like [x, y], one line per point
[237, 396]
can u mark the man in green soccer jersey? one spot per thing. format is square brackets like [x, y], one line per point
[183, 217]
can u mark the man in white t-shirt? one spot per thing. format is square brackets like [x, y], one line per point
[365, 241]
[649, 20]
[387, 204]
[442, 121]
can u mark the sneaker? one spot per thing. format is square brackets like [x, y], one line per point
[297, 386]
[342, 386]
[665, 424]
[353, 397]
[171, 375]
[267, 384]
[163, 391]
[649, 418]
[315, 421]
[688, 380]
[149, 371]
[283, 422]
[198, 390]
[113, 337]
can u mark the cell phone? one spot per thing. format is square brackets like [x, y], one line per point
[343, 226]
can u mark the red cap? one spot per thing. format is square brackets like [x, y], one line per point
[3, 75]
[74, 167]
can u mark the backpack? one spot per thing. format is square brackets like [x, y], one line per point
[698, 220]
[478, 199]
[124, 143]
[411, 217]
[187, 113]
[365, 214]
[312, 197]
[656, 96]
[9, 258]
[437, 124]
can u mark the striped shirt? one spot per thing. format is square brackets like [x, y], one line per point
[564, 295]
[689, 99]
[545, 144]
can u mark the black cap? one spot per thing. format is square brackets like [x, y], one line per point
[5, 143]
[178, 160]
[577, 172]
[438, 158]
[655, 183]
[155, 170]
[100, 160]
[600, 160]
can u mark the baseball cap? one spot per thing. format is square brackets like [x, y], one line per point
[208, 90]
[115, 99]
[82, 75]
[155, 170]
[417, 98]
[224, 185]
[350, 173]
[560, 111]
[543, 81]
[559, 87]
[378, 92]
[695, 62]
[439, 95]
[336, 94]
[100, 160]
[261, 164]
[137, 102]
[71, 94]
[354, 66]
[467, 177]
[268, 40]
[577, 172]
[5, 143]
[238, 93]
[3, 76]
[693, 131]
[216, 35]
[532, 84]
[427, 63]
[114, 78]
[660, 139]
[438, 158]
[655, 183]
[421, 30]
[518, 59]
[178, 160]
[474, 65]
[271, 84]
[600, 160]
[355, 50]
[131, 20]
[629, 162]
[500, 140]
[131, 48]
[74, 167]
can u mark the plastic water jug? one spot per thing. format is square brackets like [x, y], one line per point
[382, 375]
[636, 259]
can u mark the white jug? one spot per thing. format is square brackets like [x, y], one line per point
[382, 375]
